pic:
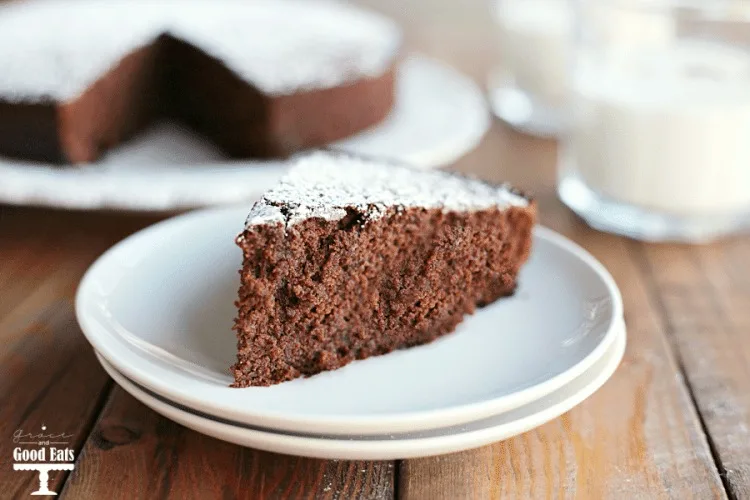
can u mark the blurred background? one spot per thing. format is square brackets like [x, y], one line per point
[634, 113]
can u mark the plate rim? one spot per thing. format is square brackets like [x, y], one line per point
[350, 448]
[335, 424]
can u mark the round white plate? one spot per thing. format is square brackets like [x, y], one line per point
[439, 115]
[395, 446]
[159, 307]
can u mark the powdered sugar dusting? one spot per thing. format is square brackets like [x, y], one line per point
[55, 50]
[324, 185]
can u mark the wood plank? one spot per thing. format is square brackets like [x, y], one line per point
[704, 295]
[135, 453]
[48, 373]
[638, 437]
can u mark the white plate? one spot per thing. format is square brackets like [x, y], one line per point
[389, 447]
[159, 307]
[439, 115]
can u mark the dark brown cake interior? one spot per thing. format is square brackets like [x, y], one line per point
[215, 102]
[329, 292]
[115, 107]
[30, 131]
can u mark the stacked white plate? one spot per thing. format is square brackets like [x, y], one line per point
[158, 309]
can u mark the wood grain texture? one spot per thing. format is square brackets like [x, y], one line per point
[48, 374]
[134, 453]
[704, 294]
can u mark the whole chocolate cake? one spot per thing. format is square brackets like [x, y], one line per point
[349, 258]
[260, 78]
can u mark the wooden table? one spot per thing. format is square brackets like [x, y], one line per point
[673, 422]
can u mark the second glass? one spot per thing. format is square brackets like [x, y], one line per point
[528, 90]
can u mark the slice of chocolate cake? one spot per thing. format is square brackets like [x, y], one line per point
[349, 258]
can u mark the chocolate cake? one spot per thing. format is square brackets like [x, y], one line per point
[349, 258]
[261, 78]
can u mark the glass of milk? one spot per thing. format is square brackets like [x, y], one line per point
[528, 90]
[658, 144]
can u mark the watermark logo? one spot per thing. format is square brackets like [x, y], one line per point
[42, 452]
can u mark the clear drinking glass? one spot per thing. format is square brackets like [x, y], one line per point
[528, 89]
[658, 145]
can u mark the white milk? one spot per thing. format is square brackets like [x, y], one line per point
[535, 46]
[668, 130]
[536, 40]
